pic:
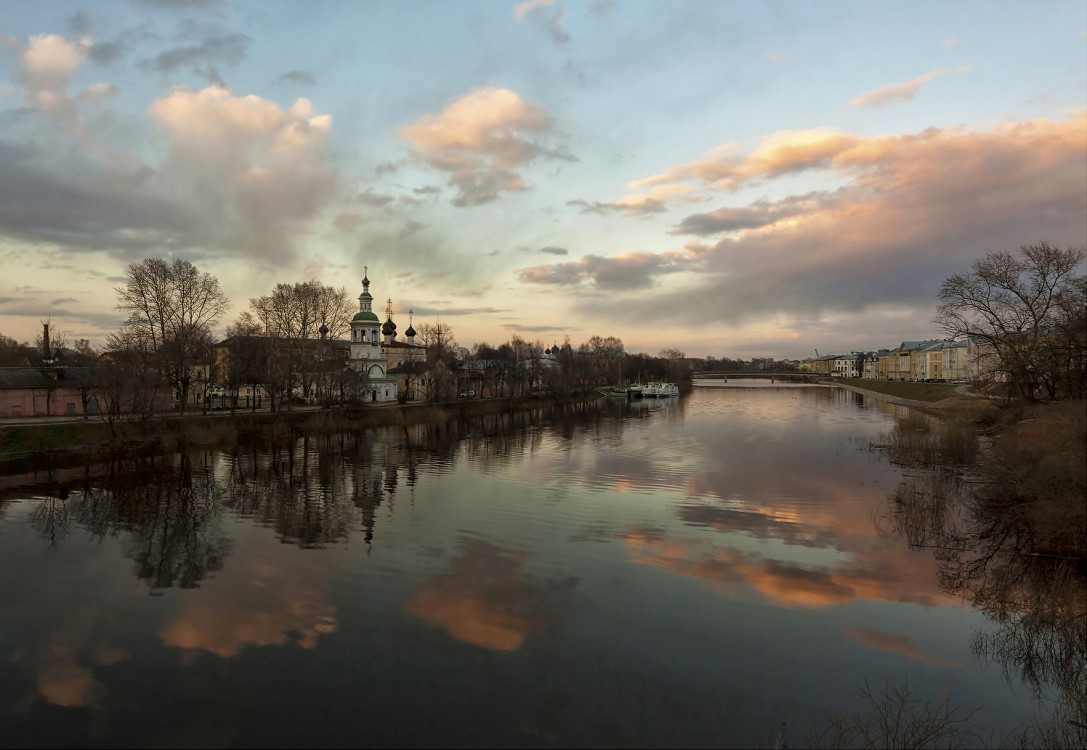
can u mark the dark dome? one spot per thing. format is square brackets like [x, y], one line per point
[323, 329]
[410, 331]
[389, 328]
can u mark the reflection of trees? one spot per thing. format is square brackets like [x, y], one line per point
[313, 491]
[168, 508]
[298, 489]
[1009, 537]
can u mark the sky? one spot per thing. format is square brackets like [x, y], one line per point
[731, 179]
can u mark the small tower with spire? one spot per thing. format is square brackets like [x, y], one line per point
[388, 329]
[365, 344]
[410, 333]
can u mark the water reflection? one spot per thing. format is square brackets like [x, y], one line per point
[168, 510]
[1003, 547]
[669, 572]
[488, 599]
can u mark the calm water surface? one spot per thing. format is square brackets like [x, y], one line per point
[674, 573]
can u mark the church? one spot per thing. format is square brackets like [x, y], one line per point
[377, 356]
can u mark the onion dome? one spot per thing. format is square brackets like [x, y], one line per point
[323, 330]
[410, 331]
[547, 351]
[365, 316]
[388, 328]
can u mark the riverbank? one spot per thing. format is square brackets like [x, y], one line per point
[91, 439]
[942, 398]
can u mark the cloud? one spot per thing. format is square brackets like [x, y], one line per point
[759, 214]
[182, 5]
[896, 93]
[46, 63]
[518, 328]
[259, 171]
[411, 227]
[913, 209]
[51, 195]
[552, 250]
[223, 48]
[551, 23]
[80, 23]
[98, 91]
[454, 311]
[303, 77]
[482, 140]
[637, 205]
[629, 271]
[522, 10]
[782, 153]
[104, 53]
[347, 220]
[376, 200]
[949, 42]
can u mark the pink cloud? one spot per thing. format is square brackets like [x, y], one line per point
[896, 93]
[482, 140]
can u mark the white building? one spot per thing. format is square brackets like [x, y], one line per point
[367, 358]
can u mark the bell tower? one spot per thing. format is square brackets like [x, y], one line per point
[365, 344]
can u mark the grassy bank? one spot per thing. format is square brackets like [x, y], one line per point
[42, 438]
[931, 392]
[95, 438]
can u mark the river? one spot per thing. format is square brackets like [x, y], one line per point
[671, 573]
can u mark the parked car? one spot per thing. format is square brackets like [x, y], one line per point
[467, 394]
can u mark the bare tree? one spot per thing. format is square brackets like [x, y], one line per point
[293, 315]
[171, 309]
[13, 353]
[607, 353]
[128, 380]
[1029, 308]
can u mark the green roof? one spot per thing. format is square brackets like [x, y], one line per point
[361, 316]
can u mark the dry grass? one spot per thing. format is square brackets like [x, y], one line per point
[896, 717]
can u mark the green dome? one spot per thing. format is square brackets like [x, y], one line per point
[364, 317]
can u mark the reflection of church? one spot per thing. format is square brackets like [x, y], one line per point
[376, 355]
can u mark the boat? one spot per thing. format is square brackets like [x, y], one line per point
[660, 390]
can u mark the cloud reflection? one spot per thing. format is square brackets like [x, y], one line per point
[273, 606]
[879, 575]
[488, 600]
[896, 644]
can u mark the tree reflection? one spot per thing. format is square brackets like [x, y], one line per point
[1008, 533]
[168, 509]
[313, 491]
